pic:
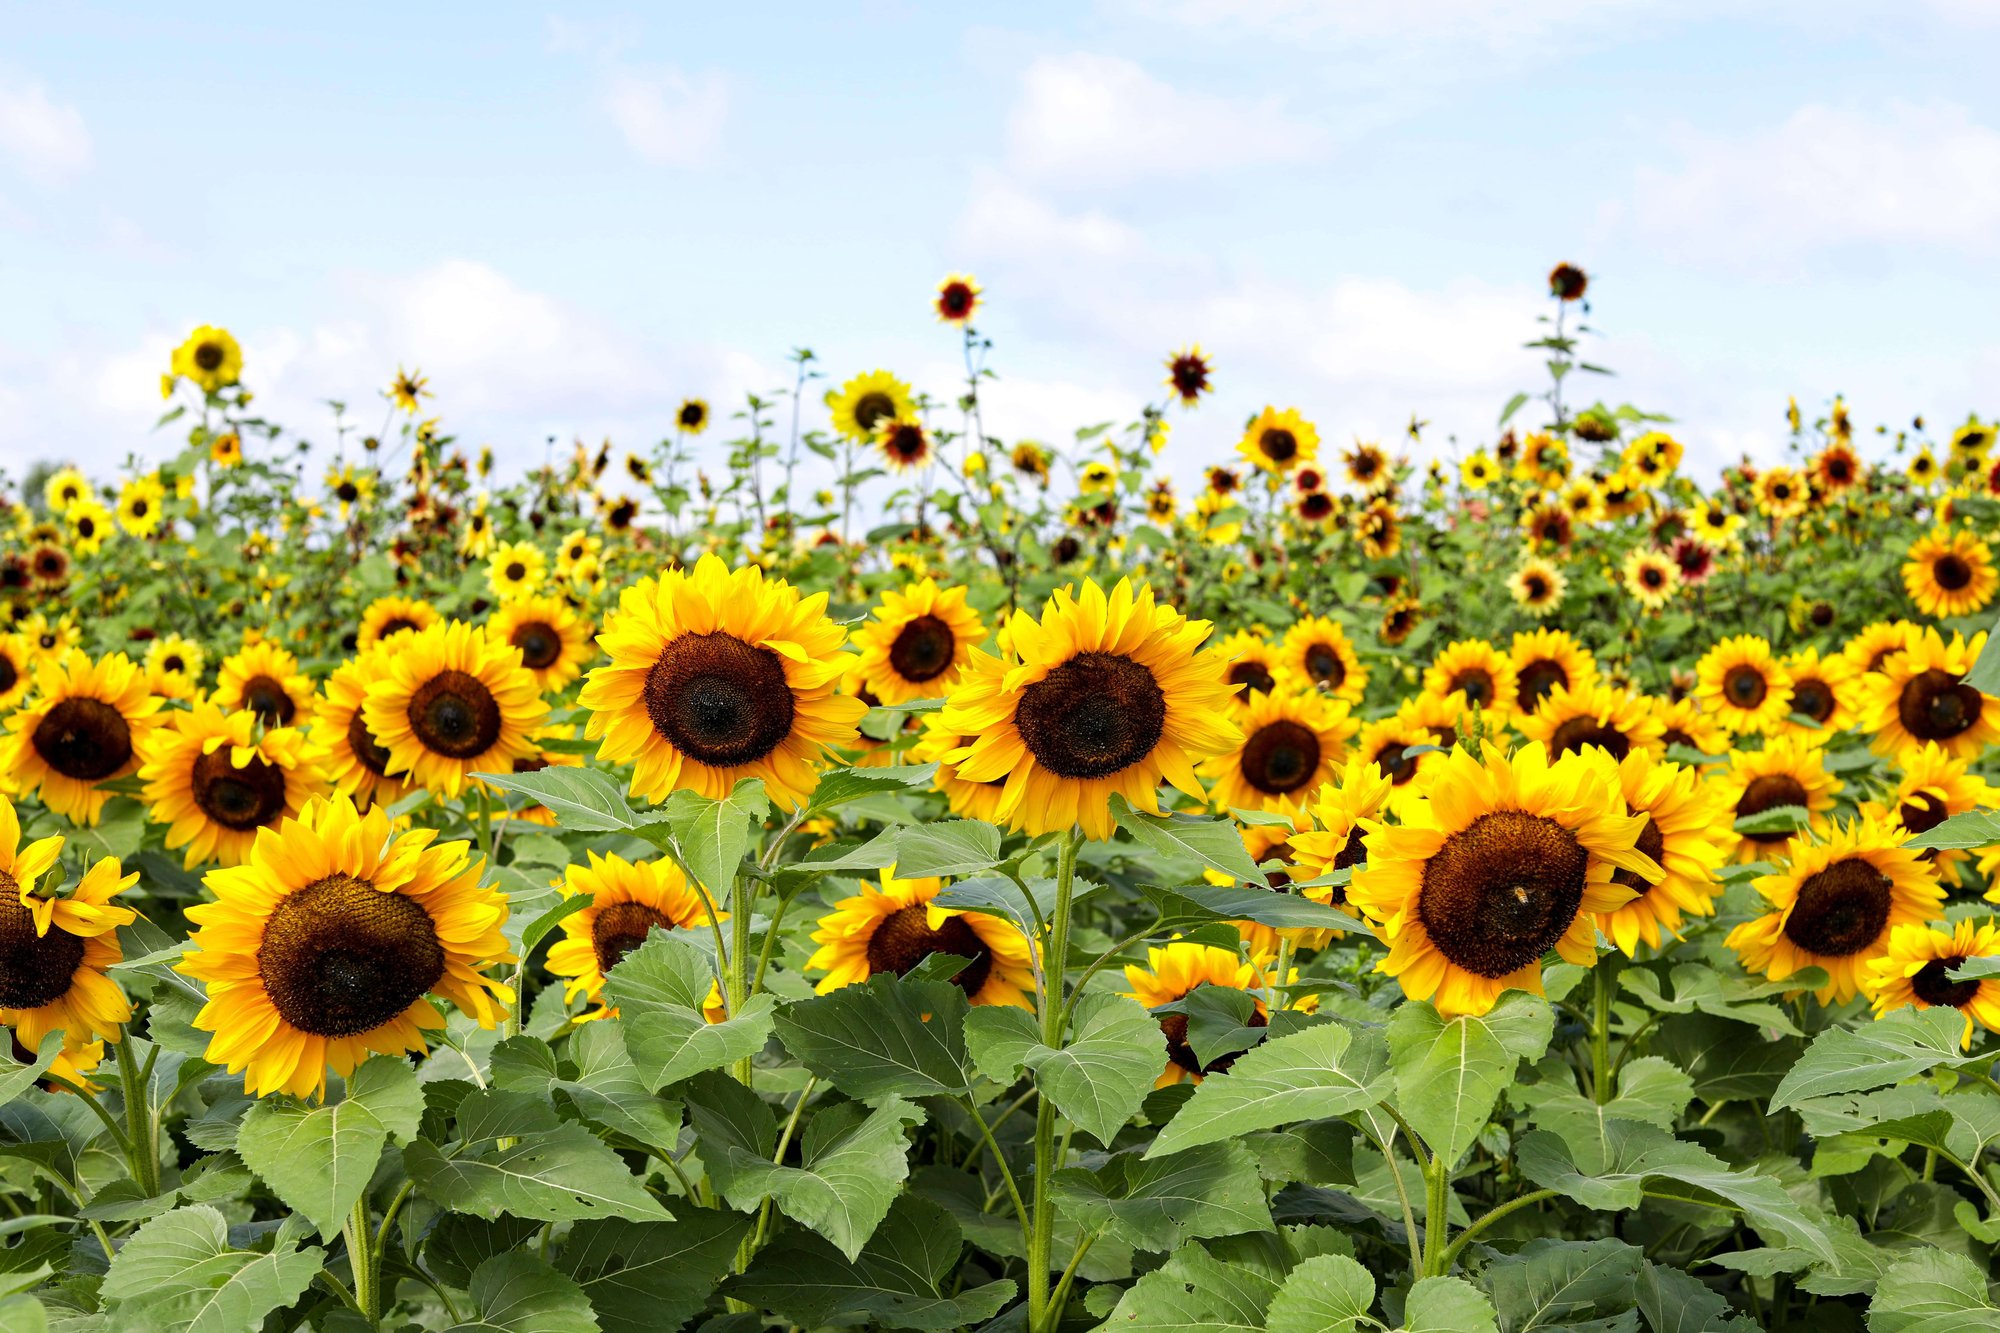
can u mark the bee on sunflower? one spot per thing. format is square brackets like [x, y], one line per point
[1915, 972]
[1538, 587]
[449, 702]
[265, 679]
[1474, 674]
[84, 725]
[214, 779]
[1683, 816]
[628, 900]
[1789, 770]
[861, 405]
[554, 641]
[917, 642]
[1293, 742]
[1950, 573]
[1616, 721]
[1279, 442]
[1742, 686]
[386, 617]
[1549, 659]
[1835, 904]
[1920, 694]
[1318, 649]
[321, 949]
[894, 927]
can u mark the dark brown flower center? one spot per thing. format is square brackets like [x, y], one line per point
[1768, 793]
[1280, 757]
[1923, 812]
[1396, 762]
[209, 356]
[1840, 910]
[34, 969]
[454, 714]
[1951, 572]
[1744, 686]
[1821, 615]
[923, 650]
[265, 697]
[341, 957]
[621, 928]
[905, 938]
[1255, 677]
[1175, 1026]
[397, 626]
[539, 643]
[1500, 893]
[515, 571]
[373, 757]
[1652, 842]
[718, 699]
[871, 408]
[1325, 666]
[1538, 590]
[1938, 705]
[1539, 679]
[1933, 984]
[1584, 730]
[1092, 716]
[9, 673]
[1279, 445]
[1475, 684]
[238, 798]
[85, 739]
[1813, 698]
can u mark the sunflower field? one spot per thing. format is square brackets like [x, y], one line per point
[1191, 880]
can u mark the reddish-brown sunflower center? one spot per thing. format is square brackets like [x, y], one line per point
[1951, 572]
[1279, 445]
[1539, 679]
[1280, 757]
[1652, 842]
[85, 739]
[905, 938]
[454, 714]
[718, 699]
[1094, 715]
[905, 441]
[1841, 910]
[621, 928]
[237, 798]
[923, 650]
[340, 957]
[539, 643]
[1584, 730]
[1744, 686]
[1937, 705]
[1499, 894]
[1254, 677]
[34, 969]
[1396, 762]
[266, 697]
[1934, 985]
[1813, 698]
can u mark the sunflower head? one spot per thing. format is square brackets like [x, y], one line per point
[1915, 971]
[265, 679]
[1294, 741]
[215, 778]
[1188, 373]
[386, 617]
[628, 900]
[917, 643]
[1474, 674]
[1173, 972]
[1788, 771]
[1919, 694]
[1537, 586]
[85, 725]
[1600, 716]
[1743, 687]
[894, 926]
[553, 640]
[957, 298]
[1279, 442]
[864, 403]
[1317, 649]
[450, 702]
[1950, 573]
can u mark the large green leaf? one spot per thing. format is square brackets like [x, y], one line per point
[1194, 1292]
[1450, 1073]
[1161, 1203]
[659, 990]
[1327, 1293]
[518, 1293]
[1905, 1043]
[842, 785]
[319, 1161]
[1212, 841]
[1098, 1079]
[563, 1175]
[1931, 1291]
[953, 848]
[652, 1277]
[179, 1274]
[1313, 1074]
[887, 1035]
[1556, 1284]
[713, 835]
[584, 799]
[1974, 828]
[1448, 1305]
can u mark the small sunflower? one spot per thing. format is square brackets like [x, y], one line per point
[1870, 649]
[1399, 621]
[226, 449]
[1835, 904]
[1836, 469]
[214, 778]
[210, 357]
[1616, 721]
[1920, 695]
[344, 750]
[627, 900]
[1683, 817]
[1714, 524]
[1651, 578]
[55, 953]
[449, 702]
[1030, 460]
[1172, 972]
[1254, 663]
[1915, 972]
[1478, 472]
[717, 676]
[90, 526]
[85, 724]
[1188, 372]
[861, 405]
[1293, 743]
[1824, 690]
[1583, 502]
[1318, 649]
[1366, 466]
[1475, 674]
[1950, 573]
[65, 487]
[1933, 787]
[555, 641]
[1567, 282]
[142, 506]
[265, 679]
[408, 389]
[1337, 839]
[1781, 493]
[321, 948]
[967, 800]
[576, 549]
[1501, 860]
[386, 617]
[691, 417]
[1279, 442]
[1388, 742]
[1537, 586]
[515, 569]
[1380, 530]
[1923, 470]
[957, 297]
[1970, 442]
[903, 443]
[1110, 694]
[1787, 771]
[917, 642]
[894, 927]
[1549, 659]
[1743, 687]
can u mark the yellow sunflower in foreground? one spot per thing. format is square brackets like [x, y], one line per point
[1742, 687]
[715, 677]
[1548, 659]
[1950, 573]
[1110, 694]
[85, 725]
[1293, 741]
[1915, 972]
[1789, 770]
[894, 927]
[1834, 905]
[1920, 695]
[1614, 720]
[627, 899]
[343, 749]
[1279, 441]
[386, 617]
[967, 800]
[214, 779]
[917, 643]
[1175, 970]
[265, 679]
[450, 702]
[1933, 787]
[1684, 819]
[1503, 859]
[864, 403]
[55, 952]
[555, 641]
[321, 948]
[1319, 650]
[1474, 674]
[1253, 663]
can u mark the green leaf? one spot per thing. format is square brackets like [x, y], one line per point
[1162, 1203]
[583, 799]
[1314, 1074]
[1904, 1043]
[1985, 673]
[886, 1035]
[1450, 1074]
[1674, 1302]
[713, 835]
[1448, 1305]
[1932, 1291]
[1974, 828]
[1215, 902]
[1556, 1284]
[652, 1277]
[1649, 1090]
[538, 929]
[320, 1161]
[659, 990]
[1777, 819]
[1098, 1079]
[19, 1078]
[1194, 1292]
[178, 1272]
[1212, 840]
[518, 1293]
[562, 1175]
[1325, 1294]
[1221, 1021]
[952, 848]
[846, 784]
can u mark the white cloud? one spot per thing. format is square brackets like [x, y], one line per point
[669, 118]
[47, 141]
[1001, 217]
[1099, 119]
[1924, 175]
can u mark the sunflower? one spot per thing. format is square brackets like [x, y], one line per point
[1030, 460]
[1781, 493]
[1920, 695]
[1835, 904]
[1836, 468]
[1337, 839]
[1254, 663]
[1278, 441]
[967, 800]
[1538, 586]
[1932, 788]
[1293, 742]
[1616, 721]
[214, 778]
[265, 679]
[90, 526]
[1923, 470]
[320, 949]
[1544, 461]
[1567, 282]
[1548, 659]
[1172, 972]
[1478, 472]
[1549, 525]
[1188, 372]
[1823, 689]
[576, 549]
[343, 749]
[904, 443]
[449, 702]
[862, 404]
[896, 926]
[1915, 971]
[1870, 649]
[386, 617]
[1714, 524]
[1583, 502]
[1683, 817]
[65, 487]
[691, 417]
[1743, 687]
[1399, 621]
[1380, 529]
[141, 506]
[715, 677]
[1654, 455]
[1475, 674]
[554, 640]
[627, 900]
[1387, 742]
[226, 449]
[16, 669]
[1787, 771]
[85, 724]
[210, 357]
[917, 643]
[1650, 577]
[1950, 573]
[1366, 466]
[1501, 860]
[515, 569]
[408, 388]
[1318, 649]
[1970, 442]
[957, 297]
[50, 638]
[55, 952]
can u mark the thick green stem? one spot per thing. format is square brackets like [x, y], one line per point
[142, 1141]
[1600, 1033]
[1437, 1209]
[736, 977]
[1466, 1237]
[1041, 1230]
[365, 1259]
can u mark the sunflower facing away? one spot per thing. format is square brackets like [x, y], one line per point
[1547, 659]
[1293, 742]
[1278, 441]
[1920, 694]
[343, 749]
[1683, 819]
[1834, 905]
[1950, 573]
[918, 642]
[1502, 860]
[864, 403]
[1789, 770]
[627, 900]
[55, 952]
[1742, 686]
[1109, 695]
[85, 724]
[1175, 970]
[894, 927]
[1915, 971]
[555, 641]
[1318, 650]
[386, 617]
[450, 702]
[215, 778]
[321, 948]
[265, 679]
[1616, 721]
[715, 677]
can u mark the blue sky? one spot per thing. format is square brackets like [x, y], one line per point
[570, 219]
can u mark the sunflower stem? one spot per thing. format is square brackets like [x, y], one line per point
[1602, 980]
[1041, 1231]
[141, 1142]
[1437, 1207]
[737, 974]
[363, 1257]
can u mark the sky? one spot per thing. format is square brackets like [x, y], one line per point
[570, 218]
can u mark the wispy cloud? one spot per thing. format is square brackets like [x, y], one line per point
[669, 118]
[45, 139]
